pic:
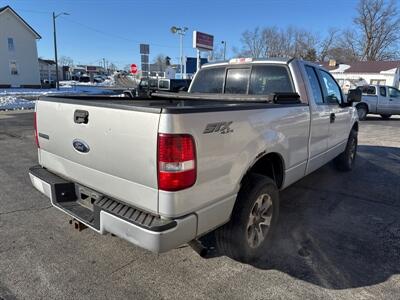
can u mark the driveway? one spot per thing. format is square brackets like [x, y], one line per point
[338, 237]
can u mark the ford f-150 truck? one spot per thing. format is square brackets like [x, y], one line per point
[165, 171]
[378, 99]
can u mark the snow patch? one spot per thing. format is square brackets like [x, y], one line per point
[12, 103]
[20, 98]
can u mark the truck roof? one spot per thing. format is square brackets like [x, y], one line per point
[238, 61]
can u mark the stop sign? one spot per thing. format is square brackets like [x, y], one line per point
[133, 68]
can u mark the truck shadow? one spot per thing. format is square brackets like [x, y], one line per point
[378, 118]
[341, 230]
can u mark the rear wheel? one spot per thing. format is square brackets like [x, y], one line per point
[245, 237]
[345, 161]
[386, 116]
[362, 112]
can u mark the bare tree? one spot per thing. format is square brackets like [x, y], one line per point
[218, 52]
[327, 44]
[112, 67]
[290, 42]
[161, 62]
[253, 44]
[66, 61]
[378, 30]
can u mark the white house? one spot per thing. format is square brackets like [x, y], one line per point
[353, 74]
[19, 65]
[47, 68]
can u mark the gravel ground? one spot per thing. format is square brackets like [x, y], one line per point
[338, 237]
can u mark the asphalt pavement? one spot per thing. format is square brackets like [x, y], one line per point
[338, 237]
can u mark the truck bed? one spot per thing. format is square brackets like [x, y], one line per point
[178, 102]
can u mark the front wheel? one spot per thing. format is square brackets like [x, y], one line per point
[345, 161]
[362, 112]
[385, 116]
[245, 237]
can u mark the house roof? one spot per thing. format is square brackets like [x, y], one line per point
[8, 7]
[47, 61]
[366, 66]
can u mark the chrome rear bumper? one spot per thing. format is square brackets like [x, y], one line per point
[112, 216]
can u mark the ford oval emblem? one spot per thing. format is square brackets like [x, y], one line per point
[80, 146]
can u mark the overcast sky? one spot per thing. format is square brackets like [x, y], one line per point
[113, 29]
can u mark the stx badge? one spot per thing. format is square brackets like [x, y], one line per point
[220, 127]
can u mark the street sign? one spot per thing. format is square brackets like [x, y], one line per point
[144, 59]
[133, 69]
[191, 64]
[145, 67]
[144, 48]
[203, 41]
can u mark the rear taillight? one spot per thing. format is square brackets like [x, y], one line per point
[176, 161]
[36, 130]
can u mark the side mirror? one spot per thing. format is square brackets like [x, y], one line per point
[354, 95]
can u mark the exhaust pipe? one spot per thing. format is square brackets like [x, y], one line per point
[77, 225]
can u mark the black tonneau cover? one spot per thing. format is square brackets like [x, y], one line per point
[164, 102]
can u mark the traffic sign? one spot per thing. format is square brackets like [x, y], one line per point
[144, 48]
[133, 69]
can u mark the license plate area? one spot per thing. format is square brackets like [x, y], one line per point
[87, 197]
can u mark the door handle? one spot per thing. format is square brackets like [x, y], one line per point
[332, 117]
[390, 99]
[81, 116]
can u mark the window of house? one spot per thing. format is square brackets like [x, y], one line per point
[13, 67]
[11, 46]
[378, 81]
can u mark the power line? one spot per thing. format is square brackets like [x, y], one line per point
[68, 19]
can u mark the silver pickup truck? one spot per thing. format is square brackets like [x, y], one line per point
[166, 171]
[378, 99]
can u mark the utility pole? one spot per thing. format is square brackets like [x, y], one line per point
[104, 64]
[181, 32]
[55, 45]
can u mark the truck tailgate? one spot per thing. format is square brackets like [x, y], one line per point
[119, 151]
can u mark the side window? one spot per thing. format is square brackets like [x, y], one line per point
[237, 81]
[209, 81]
[266, 80]
[332, 93]
[13, 67]
[368, 90]
[394, 93]
[382, 91]
[316, 89]
[11, 46]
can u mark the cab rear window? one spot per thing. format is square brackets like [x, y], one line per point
[209, 81]
[266, 80]
[255, 80]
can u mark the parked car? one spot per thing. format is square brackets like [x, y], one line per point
[379, 99]
[165, 171]
[174, 85]
[98, 79]
[157, 84]
[84, 78]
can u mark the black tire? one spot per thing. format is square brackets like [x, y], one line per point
[386, 116]
[235, 239]
[345, 161]
[362, 111]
